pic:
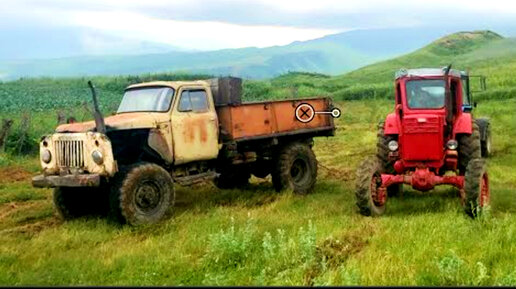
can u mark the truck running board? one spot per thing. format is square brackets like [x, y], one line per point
[195, 179]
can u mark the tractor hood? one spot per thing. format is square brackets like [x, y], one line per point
[121, 121]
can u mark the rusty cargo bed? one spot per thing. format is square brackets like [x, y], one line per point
[266, 119]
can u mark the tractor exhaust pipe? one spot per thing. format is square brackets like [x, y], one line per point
[448, 101]
[99, 119]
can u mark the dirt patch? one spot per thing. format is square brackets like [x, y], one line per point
[32, 229]
[14, 174]
[336, 251]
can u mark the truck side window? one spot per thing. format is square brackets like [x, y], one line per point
[193, 100]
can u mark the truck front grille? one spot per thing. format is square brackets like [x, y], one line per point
[70, 153]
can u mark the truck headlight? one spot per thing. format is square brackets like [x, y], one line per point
[393, 145]
[46, 156]
[97, 157]
[452, 144]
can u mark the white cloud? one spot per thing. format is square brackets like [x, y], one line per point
[202, 35]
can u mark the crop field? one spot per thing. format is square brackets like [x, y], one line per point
[259, 237]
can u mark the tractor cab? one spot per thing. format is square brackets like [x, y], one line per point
[428, 103]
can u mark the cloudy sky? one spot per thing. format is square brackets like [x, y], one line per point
[100, 25]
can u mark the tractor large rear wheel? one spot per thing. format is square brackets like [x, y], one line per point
[368, 199]
[382, 152]
[295, 168]
[485, 136]
[469, 147]
[476, 186]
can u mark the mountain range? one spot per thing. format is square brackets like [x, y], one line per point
[333, 54]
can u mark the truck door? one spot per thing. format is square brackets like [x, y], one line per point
[194, 126]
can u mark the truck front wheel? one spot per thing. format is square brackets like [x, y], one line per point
[295, 168]
[141, 194]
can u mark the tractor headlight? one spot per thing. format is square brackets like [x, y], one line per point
[46, 156]
[393, 145]
[97, 157]
[452, 144]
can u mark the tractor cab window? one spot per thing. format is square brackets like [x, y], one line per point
[425, 93]
[154, 99]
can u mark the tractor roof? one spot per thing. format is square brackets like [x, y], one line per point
[423, 72]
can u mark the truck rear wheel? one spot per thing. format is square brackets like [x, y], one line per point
[368, 181]
[476, 186]
[74, 202]
[141, 194]
[469, 147]
[295, 168]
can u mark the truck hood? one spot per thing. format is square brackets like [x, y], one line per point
[121, 121]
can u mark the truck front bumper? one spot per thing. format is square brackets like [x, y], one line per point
[85, 180]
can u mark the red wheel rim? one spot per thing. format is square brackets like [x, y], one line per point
[484, 190]
[375, 194]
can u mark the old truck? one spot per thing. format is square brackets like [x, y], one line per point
[179, 132]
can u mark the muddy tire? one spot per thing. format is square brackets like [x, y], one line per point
[295, 168]
[367, 181]
[72, 202]
[382, 149]
[141, 194]
[237, 178]
[382, 152]
[476, 186]
[469, 147]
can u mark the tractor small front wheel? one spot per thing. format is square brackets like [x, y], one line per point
[476, 187]
[369, 196]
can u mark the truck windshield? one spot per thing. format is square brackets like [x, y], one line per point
[426, 93]
[146, 99]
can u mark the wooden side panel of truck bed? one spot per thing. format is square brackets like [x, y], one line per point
[255, 120]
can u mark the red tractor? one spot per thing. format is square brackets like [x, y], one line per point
[430, 139]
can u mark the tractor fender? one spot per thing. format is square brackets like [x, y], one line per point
[463, 124]
[391, 125]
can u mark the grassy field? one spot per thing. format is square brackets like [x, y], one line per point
[258, 237]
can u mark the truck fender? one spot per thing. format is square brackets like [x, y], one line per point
[391, 124]
[463, 124]
[483, 124]
[157, 142]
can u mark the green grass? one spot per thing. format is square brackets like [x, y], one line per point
[258, 237]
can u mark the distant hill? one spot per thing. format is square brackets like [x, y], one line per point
[481, 52]
[333, 54]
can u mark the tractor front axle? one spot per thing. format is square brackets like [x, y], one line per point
[422, 179]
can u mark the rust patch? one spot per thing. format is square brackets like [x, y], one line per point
[192, 125]
[14, 174]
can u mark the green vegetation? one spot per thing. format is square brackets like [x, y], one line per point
[256, 236]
